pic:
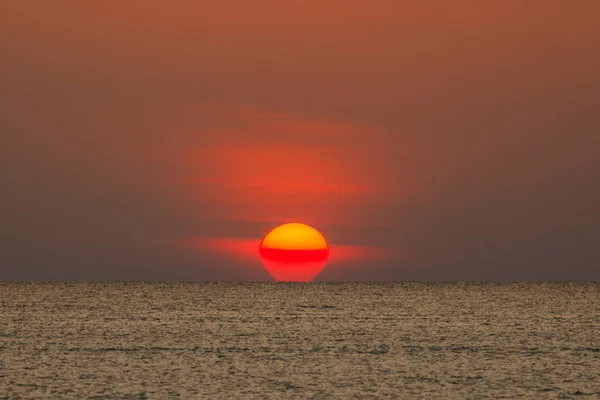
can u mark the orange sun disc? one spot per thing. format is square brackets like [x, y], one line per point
[294, 252]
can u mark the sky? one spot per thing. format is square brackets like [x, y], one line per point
[430, 141]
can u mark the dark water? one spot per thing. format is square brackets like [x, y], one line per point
[117, 341]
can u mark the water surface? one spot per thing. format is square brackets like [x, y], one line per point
[314, 340]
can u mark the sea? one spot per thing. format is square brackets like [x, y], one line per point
[299, 340]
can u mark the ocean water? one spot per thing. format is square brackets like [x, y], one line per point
[315, 340]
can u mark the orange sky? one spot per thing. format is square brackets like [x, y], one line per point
[459, 137]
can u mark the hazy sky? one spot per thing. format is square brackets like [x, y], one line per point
[448, 140]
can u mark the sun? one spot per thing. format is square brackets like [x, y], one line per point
[294, 252]
[292, 241]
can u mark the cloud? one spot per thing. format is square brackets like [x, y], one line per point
[244, 252]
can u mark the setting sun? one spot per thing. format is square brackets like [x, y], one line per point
[294, 236]
[294, 252]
